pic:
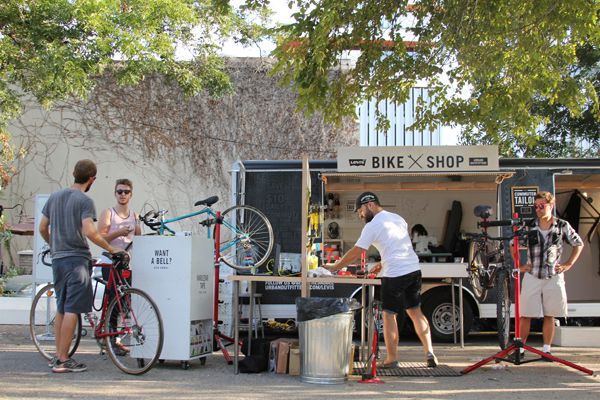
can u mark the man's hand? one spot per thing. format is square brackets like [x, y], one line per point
[124, 231]
[375, 269]
[330, 266]
[525, 267]
[560, 268]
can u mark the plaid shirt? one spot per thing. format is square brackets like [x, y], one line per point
[543, 253]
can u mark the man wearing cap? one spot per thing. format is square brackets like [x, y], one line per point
[399, 272]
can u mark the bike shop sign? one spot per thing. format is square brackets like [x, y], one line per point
[418, 159]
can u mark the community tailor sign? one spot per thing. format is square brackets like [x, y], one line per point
[418, 159]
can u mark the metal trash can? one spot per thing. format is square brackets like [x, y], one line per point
[325, 341]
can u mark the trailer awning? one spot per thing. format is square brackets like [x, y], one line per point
[402, 181]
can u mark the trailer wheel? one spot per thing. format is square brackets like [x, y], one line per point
[437, 307]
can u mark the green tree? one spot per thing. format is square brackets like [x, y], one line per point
[55, 49]
[488, 63]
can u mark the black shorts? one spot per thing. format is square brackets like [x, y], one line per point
[400, 293]
[73, 284]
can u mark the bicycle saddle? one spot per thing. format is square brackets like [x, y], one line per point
[207, 202]
[483, 211]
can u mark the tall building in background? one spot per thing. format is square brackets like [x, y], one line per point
[401, 117]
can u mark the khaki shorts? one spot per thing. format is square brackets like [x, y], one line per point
[543, 297]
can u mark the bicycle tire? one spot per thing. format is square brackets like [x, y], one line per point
[41, 323]
[134, 344]
[477, 270]
[246, 238]
[503, 307]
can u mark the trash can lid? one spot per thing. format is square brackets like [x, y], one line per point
[308, 308]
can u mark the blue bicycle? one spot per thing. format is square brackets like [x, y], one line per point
[244, 244]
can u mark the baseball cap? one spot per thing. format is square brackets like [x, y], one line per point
[365, 198]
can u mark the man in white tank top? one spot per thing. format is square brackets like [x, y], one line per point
[399, 271]
[119, 224]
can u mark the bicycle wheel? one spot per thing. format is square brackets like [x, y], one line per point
[135, 338]
[41, 323]
[477, 269]
[503, 307]
[246, 238]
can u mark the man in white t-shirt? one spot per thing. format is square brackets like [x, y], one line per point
[399, 272]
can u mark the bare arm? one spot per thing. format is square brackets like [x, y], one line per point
[90, 231]
[138, 228]
[572, 258]
[45, 228]
[350, 256]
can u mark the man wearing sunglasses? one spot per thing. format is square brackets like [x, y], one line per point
[543, 287]
[119, 224]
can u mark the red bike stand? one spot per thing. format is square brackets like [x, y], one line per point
[517, 341]
[372, 377]
[220, 338]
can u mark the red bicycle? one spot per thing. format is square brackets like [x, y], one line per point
[130, 327]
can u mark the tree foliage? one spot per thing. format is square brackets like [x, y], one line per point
[55, 49]
[564, 134]
[488, 63]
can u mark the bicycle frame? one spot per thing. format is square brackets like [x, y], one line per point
[116, 283]
[207, 210]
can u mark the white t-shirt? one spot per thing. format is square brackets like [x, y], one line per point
[388, 232]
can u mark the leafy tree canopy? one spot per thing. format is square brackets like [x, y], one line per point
[490, 65]
[54, 49]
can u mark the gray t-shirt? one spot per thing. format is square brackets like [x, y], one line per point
[66, 209]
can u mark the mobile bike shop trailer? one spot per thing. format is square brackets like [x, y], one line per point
[434, 199]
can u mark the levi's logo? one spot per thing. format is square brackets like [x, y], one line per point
[357, 162]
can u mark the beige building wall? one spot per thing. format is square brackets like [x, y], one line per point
[177, 150]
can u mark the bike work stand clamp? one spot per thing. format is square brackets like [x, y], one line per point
[518, 344]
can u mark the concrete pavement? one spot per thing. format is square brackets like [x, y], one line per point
[25, 375]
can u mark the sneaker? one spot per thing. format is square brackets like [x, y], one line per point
[52, 362]
[547, 359]
[513, 356]
[432, 360]
[390, 365]
[68, 366]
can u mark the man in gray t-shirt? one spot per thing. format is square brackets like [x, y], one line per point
[67, 220]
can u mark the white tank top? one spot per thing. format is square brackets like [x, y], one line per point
[116, 223]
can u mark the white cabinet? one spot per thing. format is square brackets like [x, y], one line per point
[178, 273]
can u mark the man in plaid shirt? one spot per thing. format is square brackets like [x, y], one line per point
[543, 286]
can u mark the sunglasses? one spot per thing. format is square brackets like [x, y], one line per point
[120, 191]
[540, 206]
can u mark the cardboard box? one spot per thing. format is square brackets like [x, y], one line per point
[279, 354]
[283, 352]
[294, 362]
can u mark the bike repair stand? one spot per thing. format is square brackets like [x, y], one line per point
[518, 344]
[218, 336]
[372, 377]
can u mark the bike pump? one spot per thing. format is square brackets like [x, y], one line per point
[517, 341]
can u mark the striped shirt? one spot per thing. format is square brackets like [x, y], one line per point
[544, 252]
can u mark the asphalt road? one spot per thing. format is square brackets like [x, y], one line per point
[25, 375]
